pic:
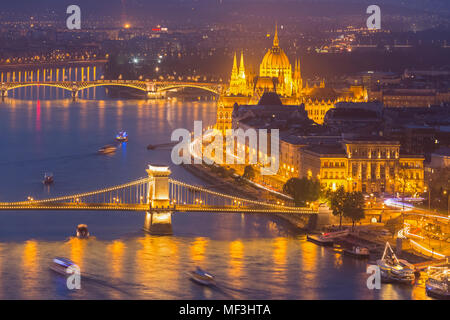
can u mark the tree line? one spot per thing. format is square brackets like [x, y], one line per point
[343, 203]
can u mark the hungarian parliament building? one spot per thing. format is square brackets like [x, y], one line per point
[277, 75]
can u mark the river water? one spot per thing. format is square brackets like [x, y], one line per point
[252, 256]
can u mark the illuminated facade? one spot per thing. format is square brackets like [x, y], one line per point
[364, 165]
[239, 84]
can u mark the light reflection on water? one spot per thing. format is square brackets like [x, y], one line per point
[151, 267]
[252, 256]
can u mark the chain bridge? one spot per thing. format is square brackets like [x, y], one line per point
[159, 196]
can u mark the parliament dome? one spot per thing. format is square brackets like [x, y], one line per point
[275, 62]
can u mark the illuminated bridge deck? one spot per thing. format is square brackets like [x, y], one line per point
[146, 207]
[136, 196]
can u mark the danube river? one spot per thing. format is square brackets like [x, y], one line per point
[252, 256]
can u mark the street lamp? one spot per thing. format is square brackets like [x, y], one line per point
[448, 201]
[428, 190]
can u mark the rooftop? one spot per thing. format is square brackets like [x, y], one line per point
[442, 151]
[270, 99]
[327, 150]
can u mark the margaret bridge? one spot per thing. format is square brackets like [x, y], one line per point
[153, 89]
[159, 196]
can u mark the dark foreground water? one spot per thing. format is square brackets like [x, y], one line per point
[252, 256]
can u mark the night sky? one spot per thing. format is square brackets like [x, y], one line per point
[168, 7]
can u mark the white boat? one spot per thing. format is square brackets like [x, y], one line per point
[394, 270]
[438, 283]
[357, 252]
[60, 265]
[202, 277]
[327, 238]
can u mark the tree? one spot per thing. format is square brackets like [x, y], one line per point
[354, 206]
[249, 173]
[438, 182]
[337, 201]
[406, 182]
[302, 190]
[394, 225]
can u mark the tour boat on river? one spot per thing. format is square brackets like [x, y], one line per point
[107, 149]
[202, 277]
[393, 269]
[82, 231]
[60, 265]
[122, 136]
[48, 179]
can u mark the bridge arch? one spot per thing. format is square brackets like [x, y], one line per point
[69, 86]
[118, 84]
[176, 86]
[34, 84]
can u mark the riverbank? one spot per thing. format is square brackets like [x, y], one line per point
[244, 189]
[372, 236]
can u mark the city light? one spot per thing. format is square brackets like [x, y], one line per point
[329, 96]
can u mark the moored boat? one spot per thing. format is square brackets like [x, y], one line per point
[60, 265]
[107, 149]
[357, 252]
[320, 240]
[82, 231]
[327, 238]
[392, 269]
[202, 277]
[438, 284]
